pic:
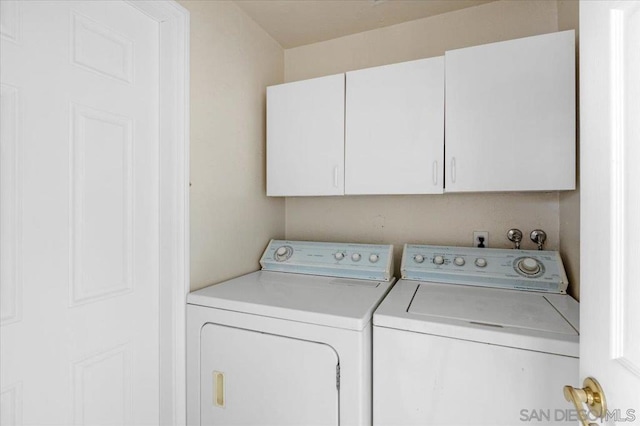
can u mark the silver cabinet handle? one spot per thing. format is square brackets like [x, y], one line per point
[435, 172]
[453, 169]
[335, 176]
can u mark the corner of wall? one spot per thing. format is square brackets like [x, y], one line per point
[569, 18]
[233, 60]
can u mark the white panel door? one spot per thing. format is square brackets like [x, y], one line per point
[79, 232]
[394, 134]
[253, 378]
[610, 204]
[305, 137]
[510, 115]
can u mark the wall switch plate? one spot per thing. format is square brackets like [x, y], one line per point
[481, 239]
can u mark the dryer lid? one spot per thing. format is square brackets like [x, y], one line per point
[335, 302]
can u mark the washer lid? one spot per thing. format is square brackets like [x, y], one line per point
[525, 320]
[513, 309]
[335, 302]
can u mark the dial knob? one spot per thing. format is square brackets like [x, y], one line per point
[283, 253]
[418, 258]
[459, 261]
[481, 262]
[339, 255]
[529, 265]
[438, 260]
[374, 258]
[355, 257]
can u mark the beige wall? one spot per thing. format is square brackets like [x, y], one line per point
[232, 61]
[445, 219]
[422, 38]
[426, 219]
[568, 18]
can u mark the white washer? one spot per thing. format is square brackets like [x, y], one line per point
[290, 344]
[475, 337]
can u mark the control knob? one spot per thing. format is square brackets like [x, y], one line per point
[418, 258]
[438, 260]
[529, 266]
[356, 257]
[373, 258]
[283, 253]
[459, 261]
[481, 262]
[339, 255]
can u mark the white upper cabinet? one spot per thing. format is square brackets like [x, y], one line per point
[395, 129]
[305, 137]
[510, 115]
[496, 117]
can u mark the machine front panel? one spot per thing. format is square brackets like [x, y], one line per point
[253, 378]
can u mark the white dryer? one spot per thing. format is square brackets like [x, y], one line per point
[475, 337]
[290, 344]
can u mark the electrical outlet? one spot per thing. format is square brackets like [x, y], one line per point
[481, 239]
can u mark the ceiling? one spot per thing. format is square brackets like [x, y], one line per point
[295, 23]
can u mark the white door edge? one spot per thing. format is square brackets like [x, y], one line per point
[173, 21]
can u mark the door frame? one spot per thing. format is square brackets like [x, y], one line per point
[173, 232]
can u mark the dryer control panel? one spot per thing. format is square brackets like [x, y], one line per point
[535, 270]
[344, 260]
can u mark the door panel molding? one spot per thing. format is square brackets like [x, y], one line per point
[110, 369]
[83, 249]
[10, 22]
[11, 284]
[624, 155]
[89, 37]
[11, 404]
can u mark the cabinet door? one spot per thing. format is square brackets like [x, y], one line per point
[253, 378]
[510, 115]
[305, 137]
[395, 129]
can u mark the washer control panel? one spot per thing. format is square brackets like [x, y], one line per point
[536, 270]
[344, 260]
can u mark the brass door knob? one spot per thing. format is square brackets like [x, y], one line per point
[592, 395]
